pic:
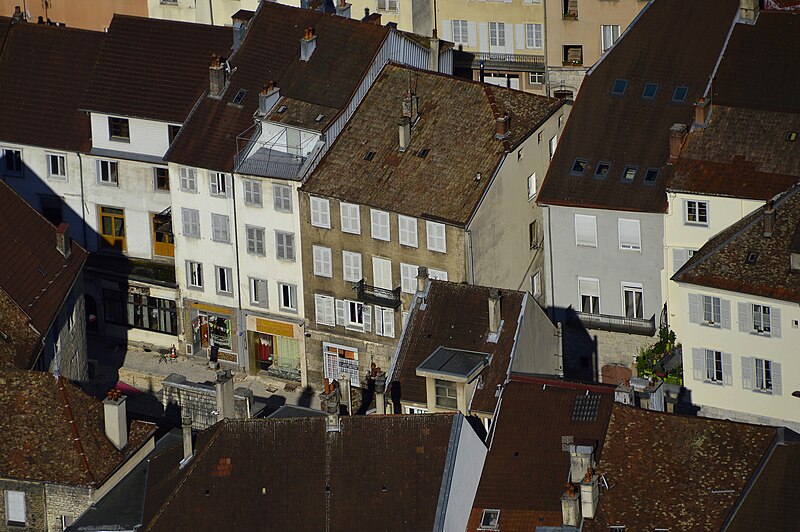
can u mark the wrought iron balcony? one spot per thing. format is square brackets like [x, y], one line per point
[604, 322]
[377, 296]
[497, 61]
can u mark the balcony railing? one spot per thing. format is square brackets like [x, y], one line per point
[604, 322]
[497, 61]
[377, 296]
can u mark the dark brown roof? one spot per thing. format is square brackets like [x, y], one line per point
[668, 471]
[377, 473]
[456, 125]
[468, 329]
[154, 69]
[270, 52]
[526, 469]
[742, 153]
[45, 71]
[722, 262]
[37, 441]
[673, 43]
[33, 273]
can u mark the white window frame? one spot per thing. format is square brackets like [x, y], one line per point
[14, 172]
[633, 288]
[190, 221]
[447, 387]
[586, 219]
[594, 301]
[763, 375]
[460, 32]
[613, 30]
[437, 275]
[254, 295]
[194, 274]
[536, 78]
[285, 240]
[352, 311]
[632, 245]
[691, 212]
[711, 354]
[322, 261]
[534, 36]
[407, 230]
[536, 283]
[384, 321]
[252, 192]
[224, 279]
[758, 315]
[287, 290]
[532, 186]
[282, 197]
[497, 34]
[61, 172]
[350, 215]
[380, 225]
[188, 178]
[552, 145]
[351, 266]
[491, 525]
[112, 179]
[408, 278]
[436, 236]
[16, 508]
[391, 6]
[220, 228]
[218, 184]
[714, 314]
[256, 238]
[320, 212]
[324, 310]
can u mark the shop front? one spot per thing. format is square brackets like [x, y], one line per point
[275, 347]
[338, 359]
[212, 331]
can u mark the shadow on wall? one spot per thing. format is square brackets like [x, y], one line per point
[579, 346]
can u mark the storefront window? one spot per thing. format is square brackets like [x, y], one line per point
[210, 330]
[140, 311]
[340, 359]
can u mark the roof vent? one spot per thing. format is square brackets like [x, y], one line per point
[752, 257]
[319, 118]
[307, 44]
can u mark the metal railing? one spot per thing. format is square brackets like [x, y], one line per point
[605, 322]
[520, 62]
[377, 296]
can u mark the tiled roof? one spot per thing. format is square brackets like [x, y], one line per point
[526, 468]
[270, 52]
[742, 153]
[377, 473]
[154, 69]
[438, 325]
[45, 71]
[33, 273]
[37, 441]
[456, 125]
[674, 43]
[722, 262]
[668, 471]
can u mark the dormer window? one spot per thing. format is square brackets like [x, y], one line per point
[446, 394]
[119, 129]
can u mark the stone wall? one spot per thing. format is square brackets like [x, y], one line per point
[744, 417]
[200, 399]
[69, 501]
[34, 503]
[73, 363]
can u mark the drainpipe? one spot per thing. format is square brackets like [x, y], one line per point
[211, 10]
[83, 205]
[552, 274]
[242, 346]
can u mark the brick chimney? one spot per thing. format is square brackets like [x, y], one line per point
[224, 388]
[494, 310]
[267, 98]
[404, 127]
[770, 217]
[571, 506]
[702, 111]
[116, 419]
[590, 493]
[422, 278]
[307, 44]
[343, 9]
[216, 77]
[63, 241]
[748, 11]
[501, 124]
[186, 426]
[332, 402]
[677, 135]
[380, 392]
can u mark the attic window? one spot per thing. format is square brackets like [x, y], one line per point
[651, 176]
[629, 173]
[579, 166]
[791, 136]
[602, 169]
[369, 156]
[423, 153]
[650, 91]
[586, 407]
[490, 520]
[237, 100]
[619, 87]
[281, 109]
[752, 257]
[679, 96]
[319, 118]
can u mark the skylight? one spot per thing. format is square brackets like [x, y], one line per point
[579, 166]
[651, 176]
[586, 407]
[319, 118]
[281, 109]
[369, 156]
[679, 95]
[791, 136]
[650, 90]
[237, 100]
[752, 257]
[423, 152]
[619, 87]
[629, 174]
[602, 169]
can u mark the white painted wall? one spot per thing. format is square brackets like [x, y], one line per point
[470, 455]
[273, 136]
[147, 137]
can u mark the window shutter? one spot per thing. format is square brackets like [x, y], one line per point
[585, 230]
[777, 385]
[725, 313]
[184, 178]
[589, 287]
[727, 369]
[228, 185]
[388, 322]
[187, 225]
[698, 362]
[520, 33]
[629, 235]
[341, 312]
[366, 313]
[447, 34]
[678, 259]
[694, 308]
[15, 507]
[261, 292]
[775, 322]
[508, 33]
[747, 373]
[744, 317]
[483, 28]
[472, 34]
[319, 310]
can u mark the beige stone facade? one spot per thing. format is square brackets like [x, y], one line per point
[85, 14]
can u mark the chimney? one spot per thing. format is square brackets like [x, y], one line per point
[580, 459]
[422, 278]
[343, 9]
[677, 134]
[494, 310]
[433, 58]
[571, 506]
[307, 44]
[345, 392]
[769, 219]
[224, 387]
[404, 126]
[186, 425]
[332, 400]
[116, 419]
[590, 493]
[380, 392]
[702, 111]
[241, 20]
[63, 241]
[501, 124]
[216, 77]
[748, 11]
[267, 98]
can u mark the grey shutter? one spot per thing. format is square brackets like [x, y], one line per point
[775, 322]
[366, 314]
[727, 369]
[187, 226]
[519, 32]
[483, 30]
[694, 308]
[698, 371]
[679, 258]
[777, 386]
[725, 313]
[747, 373]
[388, 323]
[341, 312]
[228, 185]
[319, 311]
[744, 317]
[447, 34]
[472, 34]
[261, 292]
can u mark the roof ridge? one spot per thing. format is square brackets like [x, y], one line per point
[76, 437]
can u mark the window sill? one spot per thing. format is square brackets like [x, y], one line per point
[120, 139]
[290, 310]
[197, 288]
[763, 392]
[285, 259]
[161, 191]
[762, 334]
[638, 250]
[355, 328]
[225, 294]
[221, 196]
[254, 204]
[320, 226]
[103, 183]
[695, 224]
[57, 177]
[715, 383]
[188, 190]
[712, 325]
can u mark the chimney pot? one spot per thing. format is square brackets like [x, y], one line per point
[224, 389]
[404, 126]
[186, 425]
[422, 278]
[116, 420]
[677, 135]
[590, 494]
[770, 217]
[307, 44]
[494, 310]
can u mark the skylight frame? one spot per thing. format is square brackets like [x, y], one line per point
[606, 166]
[626, 170]
[654, 172]
[584, 163]
[646, 92]
[621, 92]
[684, 90]
[239, 98]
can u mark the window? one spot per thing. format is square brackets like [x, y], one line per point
[553, 144]
[12, 162]
[679, 96]
[460, 32]
[320, 212]
[763, 375]
[589, 293]
[218, 182]
[632, 300]
[679, 258]
[384, 322]
[161, 178]
[140, 311]
[713, 366]
[112, 228]
[51, 208]
[119, 129]
[533, 235]
[650, 91]
[284, 245]
[602, 169]
[380, 225]
[220, 228]
[351, 218]
[107, 172]
[224, 282]
[322, 261]
[497, 34]
[438, 275]
[282, 195]
[258, 292]
[188, 179]
[573, 55]
[255, 240]
[252, 192]
[651, 176]
[387, 5]
[172, 132]
[629, 235]
[191, 222]
[194, 274]
[446, 394]
[369, 156]
[351, 263]
[356, 315]
[629, 173]
[16, 508]
[585, 230]
[536, 78]
[712, 309]
[608, 35]
[382, 273]
[536, 284]
[56, 166]
[696, 212]
[761, 319]
[532, 186]
[408, 230]
[579, 166]
[324, 310]
[533, 36]
[619, 87]
[239, 98]
[437, 240]
[490, 520]
[287, 297]
[408, 278]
